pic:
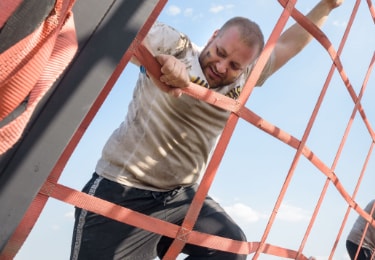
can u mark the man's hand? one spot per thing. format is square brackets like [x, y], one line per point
[334, 3]
[174, 75]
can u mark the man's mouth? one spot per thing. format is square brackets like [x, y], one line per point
[213, 74]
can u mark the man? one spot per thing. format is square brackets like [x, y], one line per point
[152, 162]
[366, 251]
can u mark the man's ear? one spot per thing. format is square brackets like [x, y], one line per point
[216, 32]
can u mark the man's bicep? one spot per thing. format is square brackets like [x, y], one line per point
[282, 54]
[268, 70]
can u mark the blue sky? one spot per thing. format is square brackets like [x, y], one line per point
[255, 164]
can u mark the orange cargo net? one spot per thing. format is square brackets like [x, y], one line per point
[184, 234]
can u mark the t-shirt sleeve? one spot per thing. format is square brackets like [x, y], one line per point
[164, 39]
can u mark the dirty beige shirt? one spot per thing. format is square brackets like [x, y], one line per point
[356, 232]
[164, 141]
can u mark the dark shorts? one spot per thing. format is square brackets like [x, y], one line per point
[97, 237]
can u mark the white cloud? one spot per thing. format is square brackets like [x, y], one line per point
[188, 12]
[292, 214]
[55, 227]
[242, 213]
[69, 215]
[218, 8]
[339, 23]
[173, 10]
[245, 214]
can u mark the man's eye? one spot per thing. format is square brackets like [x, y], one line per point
[219, 53]
[235, 67]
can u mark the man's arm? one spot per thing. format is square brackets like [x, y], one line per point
[174, 74]
[295, 38]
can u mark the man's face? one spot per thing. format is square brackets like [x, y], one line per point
[225, 57]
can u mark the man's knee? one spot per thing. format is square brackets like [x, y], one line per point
[220, 224]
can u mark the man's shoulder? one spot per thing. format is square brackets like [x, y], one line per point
[164, 39]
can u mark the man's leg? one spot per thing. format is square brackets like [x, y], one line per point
[212, 220]
[98, 237]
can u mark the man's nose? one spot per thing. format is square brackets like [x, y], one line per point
[221, 67]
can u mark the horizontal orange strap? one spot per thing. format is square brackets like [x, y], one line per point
[124, 215]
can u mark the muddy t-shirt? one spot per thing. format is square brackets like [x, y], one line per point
[165, 142]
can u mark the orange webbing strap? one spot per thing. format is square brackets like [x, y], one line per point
[372, 9]
[31, 66]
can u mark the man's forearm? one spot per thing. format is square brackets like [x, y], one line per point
[296, 35]
[295, 38]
